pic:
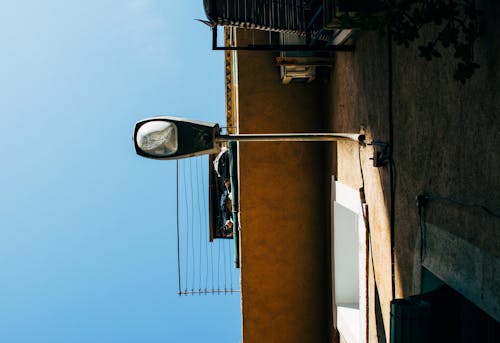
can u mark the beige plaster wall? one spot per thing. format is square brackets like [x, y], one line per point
[445, 142]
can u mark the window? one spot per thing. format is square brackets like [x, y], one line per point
[349, 260]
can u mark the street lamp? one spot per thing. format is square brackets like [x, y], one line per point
[171, 138]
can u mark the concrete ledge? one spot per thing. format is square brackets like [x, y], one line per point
[464, 267]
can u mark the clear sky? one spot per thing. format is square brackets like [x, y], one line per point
[87, 228]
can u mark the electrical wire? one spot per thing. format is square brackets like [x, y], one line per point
[364, 209]
[178, 226]
[194, 274]
[422, 202]
[224, 261]
[205, 201]
[426, 197]
[422, 226]
[192, 222]
[391, 169]
[212, 262]
[229, 258]
[218, 266]
[200, 227]
[187, 226]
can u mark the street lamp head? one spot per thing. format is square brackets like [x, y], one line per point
[158, 138]
[173, 138]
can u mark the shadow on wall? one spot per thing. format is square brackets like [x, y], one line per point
[381, 336]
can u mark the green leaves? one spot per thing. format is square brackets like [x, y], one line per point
[448, 36]
[429, 51]
[455, 21]
[464, 71]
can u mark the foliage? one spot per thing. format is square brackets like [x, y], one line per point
[456, 23]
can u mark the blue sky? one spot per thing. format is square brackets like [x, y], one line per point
[87, 228]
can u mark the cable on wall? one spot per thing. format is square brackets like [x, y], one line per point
[423, 200]
[391, 166]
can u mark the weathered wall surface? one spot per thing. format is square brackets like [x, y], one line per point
[284, 274]
[446, 142]
[359, 98]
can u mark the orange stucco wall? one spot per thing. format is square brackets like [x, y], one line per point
[284, 272]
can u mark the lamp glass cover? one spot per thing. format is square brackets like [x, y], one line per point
[157, 138]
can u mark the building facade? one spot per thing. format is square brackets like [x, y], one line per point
[423, 215]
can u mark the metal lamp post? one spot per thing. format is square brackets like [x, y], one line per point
[171, 138]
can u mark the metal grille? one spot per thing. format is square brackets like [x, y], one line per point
[296, 16]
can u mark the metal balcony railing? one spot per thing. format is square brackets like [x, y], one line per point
[300, 17]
